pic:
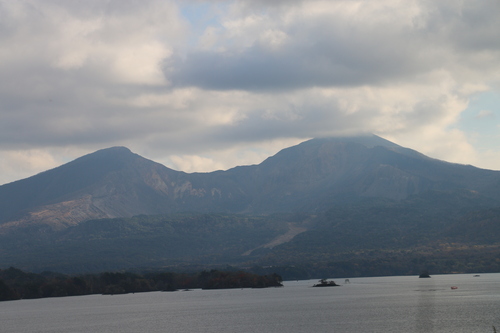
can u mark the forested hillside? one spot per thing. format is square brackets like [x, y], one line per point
[326, 207]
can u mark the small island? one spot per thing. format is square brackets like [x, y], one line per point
[424, 274]
[325, 283]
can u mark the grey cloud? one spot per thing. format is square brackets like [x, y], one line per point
[311, 116]
[41, 106]
[335, 52]
[316, 55]
[324, 63]
[44, 103]
[467, 25]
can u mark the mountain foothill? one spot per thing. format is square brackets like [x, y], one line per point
[344, 206]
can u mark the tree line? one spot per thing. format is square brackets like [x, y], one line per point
[16, 284]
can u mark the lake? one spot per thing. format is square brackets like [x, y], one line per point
[377, 304]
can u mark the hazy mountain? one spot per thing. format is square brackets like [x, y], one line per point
[111, 182]
[353, 206]
[318, 172]
[309, 177]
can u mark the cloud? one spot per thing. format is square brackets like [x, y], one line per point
[213, 84]
[19, 164]
[331, 45]
[485, 114]
[342, 43]
[64, 66]
[222, 159]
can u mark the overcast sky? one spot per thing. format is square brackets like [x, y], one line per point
[205, 85]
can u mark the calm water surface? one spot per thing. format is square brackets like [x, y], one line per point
[381, 304]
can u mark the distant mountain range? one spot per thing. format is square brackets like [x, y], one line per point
[309, 177]
[357, 186]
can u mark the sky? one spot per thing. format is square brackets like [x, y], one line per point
[208, 85]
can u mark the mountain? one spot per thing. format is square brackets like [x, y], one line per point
[322, 200]
[106, 183]
[115, 182]
[312, 175]
[112, 182]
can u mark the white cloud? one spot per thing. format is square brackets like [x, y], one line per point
[448, 145]
[223, 159]
[20, 164]
[194, 163]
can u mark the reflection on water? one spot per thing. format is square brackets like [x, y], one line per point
[426, 305]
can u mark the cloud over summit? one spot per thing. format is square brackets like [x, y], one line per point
[211, 84]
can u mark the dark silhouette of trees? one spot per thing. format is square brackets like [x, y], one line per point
[16, 284]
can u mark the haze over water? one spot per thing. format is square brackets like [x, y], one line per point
[379, 304]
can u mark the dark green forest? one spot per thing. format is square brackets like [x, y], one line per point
[16, 284]
[140, 242]
[441, 232]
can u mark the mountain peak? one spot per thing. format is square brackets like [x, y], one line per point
[113, 151]
[367, 140]
[115, 156]
[116, 149]
[322, 146]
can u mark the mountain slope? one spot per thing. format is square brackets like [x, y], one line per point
[309, 177]
[318, 172]
[108, 183]
[331, 205]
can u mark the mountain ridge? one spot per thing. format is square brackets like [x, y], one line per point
[115, 182]
[353, 206]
